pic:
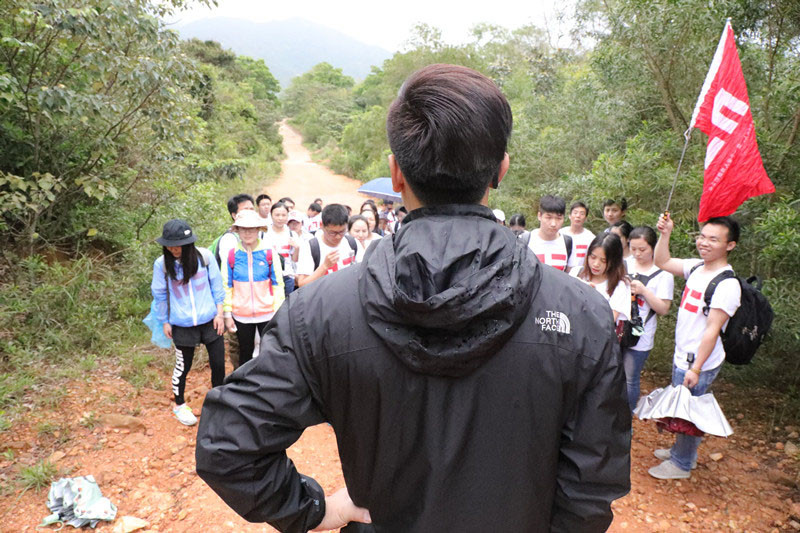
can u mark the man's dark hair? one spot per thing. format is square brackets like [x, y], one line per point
[234, 201]
[262, 197]
[287, 199]
[334, 215]
[317, 200]
[624, 227]
[622, 203]
[448, 130]
[552, 204]
[578, 204]
[401, 209]
[728, 222]
[517, 219]
[315, 207]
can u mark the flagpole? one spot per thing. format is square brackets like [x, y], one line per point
[687, 134]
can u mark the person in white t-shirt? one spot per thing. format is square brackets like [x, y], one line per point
[550, 247]
[313, 220]
[605, 271]
[264, 207]
[285, 242]
[335, 251]
[358, 228]
[295, 223]
[699, 353]
[581, 237]
[653, 289]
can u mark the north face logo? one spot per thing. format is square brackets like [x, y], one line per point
[554, 321]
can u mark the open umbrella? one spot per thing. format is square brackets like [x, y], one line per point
[677, 402]
[380, 188]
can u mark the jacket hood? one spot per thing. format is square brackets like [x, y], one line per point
[449, 289]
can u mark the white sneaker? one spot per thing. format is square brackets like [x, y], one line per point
[668, 470]
[184, 414]
[664, 455]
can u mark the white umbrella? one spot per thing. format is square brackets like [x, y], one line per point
[677, 402]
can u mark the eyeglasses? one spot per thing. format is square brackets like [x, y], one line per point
[712, 240]
[330, 233]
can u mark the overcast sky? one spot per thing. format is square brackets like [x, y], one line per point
[388, 24]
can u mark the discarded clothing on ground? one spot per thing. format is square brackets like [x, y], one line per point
[78, 502]
[676, 402]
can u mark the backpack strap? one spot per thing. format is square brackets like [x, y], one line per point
[568, 243]
[644, 281]
[314, 245]
[698, 265]
[269, 269]
[712, 286]
[352, 242]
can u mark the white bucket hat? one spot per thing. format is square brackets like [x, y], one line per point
[249, 218]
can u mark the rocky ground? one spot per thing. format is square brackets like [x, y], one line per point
[143, 460]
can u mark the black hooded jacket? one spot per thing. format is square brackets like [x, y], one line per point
[471, 388]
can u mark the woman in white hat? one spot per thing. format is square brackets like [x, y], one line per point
[187, 288]
[253, 281]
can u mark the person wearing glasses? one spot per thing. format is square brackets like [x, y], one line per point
[330, 250]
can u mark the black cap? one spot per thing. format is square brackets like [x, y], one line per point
[176, 232]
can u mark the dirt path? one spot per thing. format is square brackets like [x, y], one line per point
[147, 468]
[303, 180]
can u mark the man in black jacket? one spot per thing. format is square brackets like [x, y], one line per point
[470, 388]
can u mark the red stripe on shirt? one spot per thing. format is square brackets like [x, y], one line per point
[691, 308]
[559, 257]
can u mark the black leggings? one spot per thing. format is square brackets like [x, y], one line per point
[246, 333]
[183, 363]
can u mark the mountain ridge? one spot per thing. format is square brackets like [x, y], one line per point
[289, 47]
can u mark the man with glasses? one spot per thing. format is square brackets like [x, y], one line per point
[699, 353]
[330, 250]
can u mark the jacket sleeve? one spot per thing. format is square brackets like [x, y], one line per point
[246, 427]
[215, 277]
[158, 288]
[594, 460]
[276, 276]
[227, 285]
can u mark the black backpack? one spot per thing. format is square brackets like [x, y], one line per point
[629, 337]
[749, 324]
[314, 244]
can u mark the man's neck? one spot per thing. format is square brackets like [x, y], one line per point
[541, 235]
[575, 230]
[716, 264]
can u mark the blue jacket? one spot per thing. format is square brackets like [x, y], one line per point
[194, 303]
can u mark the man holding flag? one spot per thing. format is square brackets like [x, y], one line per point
[733, 173]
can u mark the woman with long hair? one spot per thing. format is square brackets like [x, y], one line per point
[187, 288]
[604, 270]
[253, 281]
[370, 212]
[652, 288]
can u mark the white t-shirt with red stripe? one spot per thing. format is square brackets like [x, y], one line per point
[280, 243]
[312, 224]
[305, 263]
[580, 243]
[553, 253]
[691, 320]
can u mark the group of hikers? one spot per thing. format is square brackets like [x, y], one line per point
[472, 382]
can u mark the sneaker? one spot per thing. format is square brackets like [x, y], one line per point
[668, 470]
[664, 455]
[185, 415]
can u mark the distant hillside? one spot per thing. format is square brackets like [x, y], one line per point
[289, 47]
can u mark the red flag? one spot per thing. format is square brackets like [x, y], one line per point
[734, 171]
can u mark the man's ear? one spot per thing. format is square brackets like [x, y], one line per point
[398, 180]
[503, 169]
[730, 246]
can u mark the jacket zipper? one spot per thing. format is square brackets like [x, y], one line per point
[252, 290]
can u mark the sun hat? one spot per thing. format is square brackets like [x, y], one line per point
[295, 215]
[499, 215]
[248, 218]
[176, 232]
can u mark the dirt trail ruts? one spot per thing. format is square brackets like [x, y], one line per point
[148, 470]
[303, 180]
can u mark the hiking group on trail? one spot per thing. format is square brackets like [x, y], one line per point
[478, 376]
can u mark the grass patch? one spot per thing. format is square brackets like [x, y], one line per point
[141, 372]
[37, 476]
